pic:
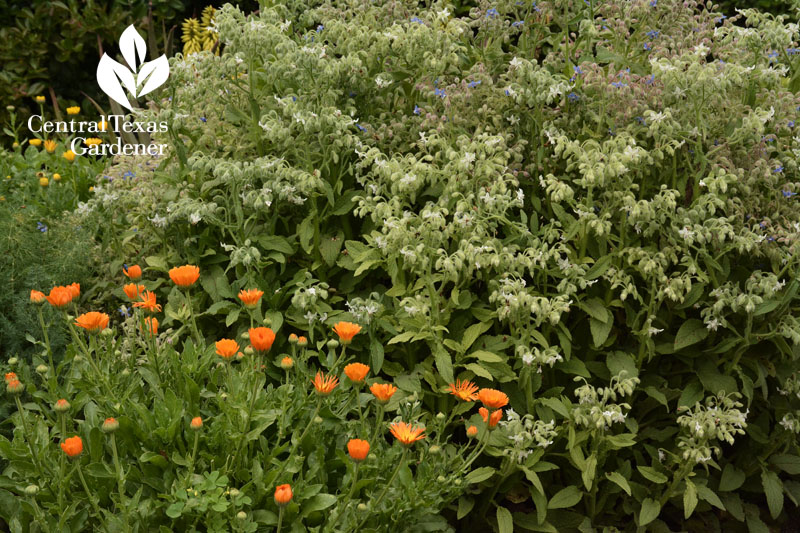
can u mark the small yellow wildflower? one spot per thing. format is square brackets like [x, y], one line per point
[74, 110]
[44, 182]
[50, 146]
[69, 155]
[92, 141]
[56, 177]
[39, 99]
[102, 125]
[35, 142]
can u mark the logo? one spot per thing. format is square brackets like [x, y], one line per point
[139, 78]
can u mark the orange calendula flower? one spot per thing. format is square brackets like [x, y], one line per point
[492, 398]
[324, 384]
[346, 331]
[92, 321]
[151, 325]
[356, 372]
[37, 297]
[15, 387]
[227, 348]
[59, 296]
[50, 146]
[472, 431]
[406, 433]
[148, 302]
[10, 376]
[261, 338]
[383, 391]
[75, 289]
[133, 291]
[492, 420]
[358, 449]
[133, 272]
[184, 276]
[283, 494]
[72, 446]
[196, 423]
[466, 391]
[250, 297]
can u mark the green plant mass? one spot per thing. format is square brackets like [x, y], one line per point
[403, 267]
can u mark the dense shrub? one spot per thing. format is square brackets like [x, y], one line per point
[589, 205]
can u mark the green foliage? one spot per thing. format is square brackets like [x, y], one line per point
[590, 205]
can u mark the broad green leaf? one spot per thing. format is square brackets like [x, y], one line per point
[692, 394]
[318, 503]
[479, 474]
[600, 330]
[596, 309]
[376, 355]
[487, 357]
[465, 505]
[588, 472]
[329, 247]
[444, 363]
[478, 370]
[566, 497]
[788, 463]
[731, 479]
[710, 496]
[505, 522]
[773, 490]
[305, 232]
[689, 499]
[402, 337]
[617, 478]
[649, 512]
[652, 474]
[472, 333]
[691, 332]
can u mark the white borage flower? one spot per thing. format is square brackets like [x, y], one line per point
[654, 331]
[468, 158]
[515, 63]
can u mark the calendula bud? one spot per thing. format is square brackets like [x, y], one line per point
[107, 332]
[267, 321]
[78, 358]
[441, 479]
[234, 493]
[125, 372]
[372, 457]
[333, 343]
[440, 416]
[456, 482]
[15, 387]
[61, 406]
[472, 431]
[239, 356]
[287, 363]
[110, 425]
[318, 420]
[224, 395]
[42, 369]
[196, 423]
[13, 361]
[241, 515]
[293, 339]
[302, 341]
[32, 490]
[435, 450]
[249, 350]
[246, 336]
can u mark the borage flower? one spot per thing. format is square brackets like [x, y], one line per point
[324, 384]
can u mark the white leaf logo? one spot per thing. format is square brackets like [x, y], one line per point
[139, 77]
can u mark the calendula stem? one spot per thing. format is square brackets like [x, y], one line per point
[195, 331]
[89, 493]
[302, 436]
[378, 423]
[27, 438]
[253, 395]
[280, 518]
[61, 459]
[194, 453]
[120, 481]
[46, 340]
[477, 451]
[386, 487]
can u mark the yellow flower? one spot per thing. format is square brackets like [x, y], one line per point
[69, 155]
[43, 182]
[35, 142]
[102, 125]
[50, 146]
[56, 177]
[39, 99]
[92, 141]
[74, 110]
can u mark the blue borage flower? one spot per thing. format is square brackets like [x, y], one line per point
[124, 311]
[648, 46]
[320, 28]
[533, 5]
[653, 3]
[41, 227]
[416, 110]
[779, 169]
[720, 19]
[619, 84]
[417, 20]
[362, 128]
[791, 124]
[473, 84]
[572, 97]
[641, 121]
[518, 23]
[772, 56]
[203, 119]
[651, 79]
[491, 13]
[128, 175]
[440, 93]
[789, 194]
[653, 34]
